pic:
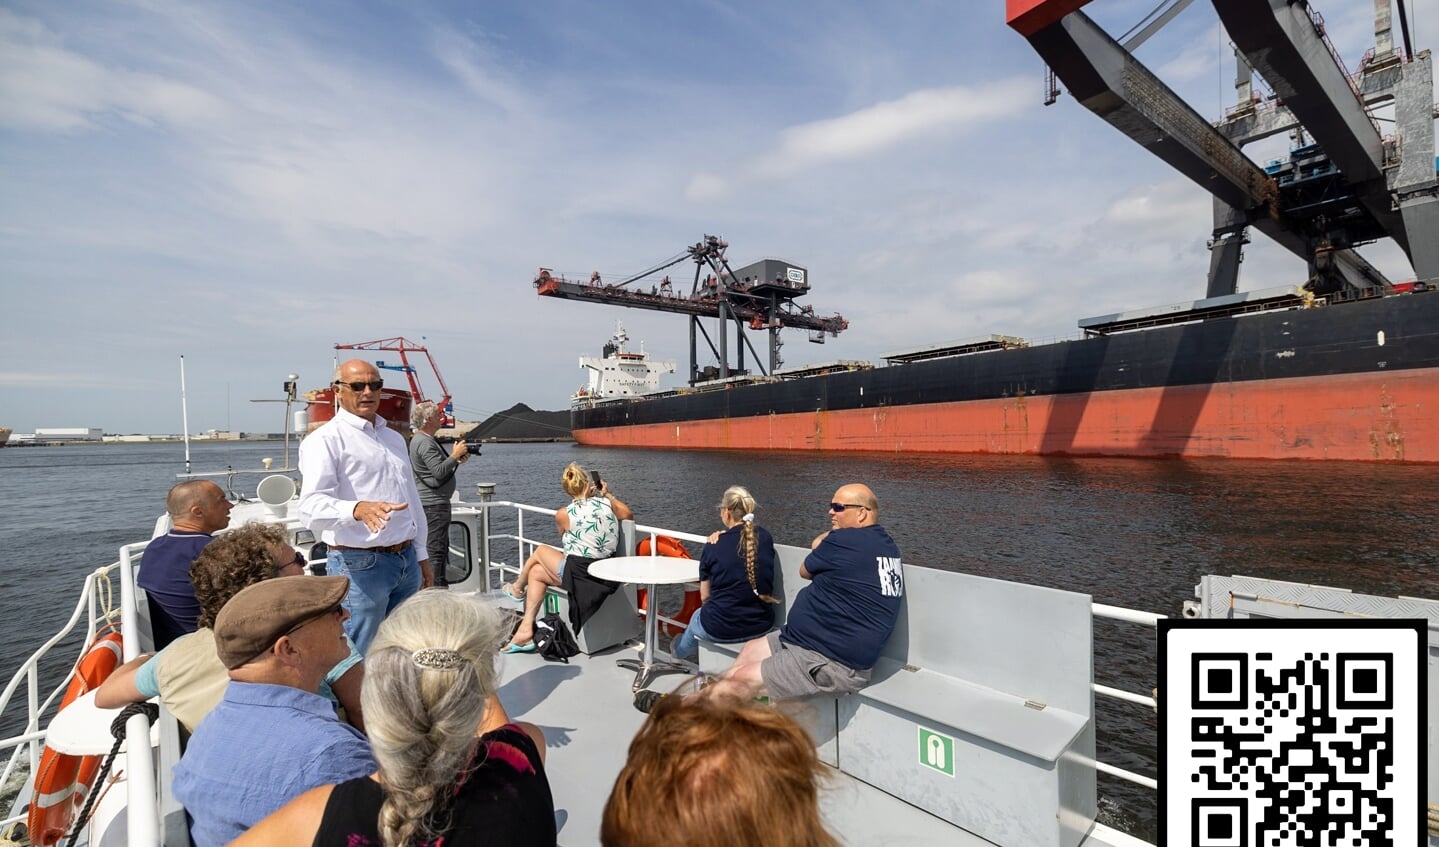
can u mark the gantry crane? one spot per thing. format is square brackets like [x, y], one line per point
[759, 296]
[1350, 186]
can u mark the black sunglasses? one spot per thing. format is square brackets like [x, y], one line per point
[298, 560]
[840, 507]
[357, 387]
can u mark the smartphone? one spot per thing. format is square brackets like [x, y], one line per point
[595, 475]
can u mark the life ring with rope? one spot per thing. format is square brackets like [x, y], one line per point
[670, 548]
[63, 781]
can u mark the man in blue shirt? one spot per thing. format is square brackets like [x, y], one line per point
[272, 737]
[839, 623]
[198, 509]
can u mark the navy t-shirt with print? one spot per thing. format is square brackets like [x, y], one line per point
[733, 611]
[849, 609]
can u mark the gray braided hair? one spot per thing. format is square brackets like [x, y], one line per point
[428, 675]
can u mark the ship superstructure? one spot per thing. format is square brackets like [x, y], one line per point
[620, 373]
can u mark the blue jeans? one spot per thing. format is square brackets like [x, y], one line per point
[378, 583]
[687, 645]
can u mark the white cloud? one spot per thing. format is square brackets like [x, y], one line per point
[871, 131]
[48, 88]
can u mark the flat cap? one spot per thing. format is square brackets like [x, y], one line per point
[255, 618]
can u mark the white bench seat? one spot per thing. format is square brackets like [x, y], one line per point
[1005, 719]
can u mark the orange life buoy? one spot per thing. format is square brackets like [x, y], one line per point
[674, 549]
[63, 781]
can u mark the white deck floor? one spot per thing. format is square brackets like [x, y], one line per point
[586, 713]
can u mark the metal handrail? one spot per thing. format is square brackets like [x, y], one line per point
[33, 736]
[1134, 616]
[521, 540]
[142, 820]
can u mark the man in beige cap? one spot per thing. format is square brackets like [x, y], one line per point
[273, 736]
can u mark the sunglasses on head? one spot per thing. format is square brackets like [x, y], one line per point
[840, 507]
[357, 387]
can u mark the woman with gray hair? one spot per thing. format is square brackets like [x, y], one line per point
[453, 768]
[435, 479]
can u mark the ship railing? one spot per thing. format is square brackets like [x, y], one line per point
[1149, 620]
[495, 569]
[95, 609]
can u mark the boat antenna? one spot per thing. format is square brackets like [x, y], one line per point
[184, 413]
[292, 382]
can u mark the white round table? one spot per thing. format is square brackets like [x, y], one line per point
[649, 571]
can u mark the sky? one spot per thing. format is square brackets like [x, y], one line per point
[248, 184]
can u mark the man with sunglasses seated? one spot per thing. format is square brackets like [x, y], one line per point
[272, 737]
[839, 623]
[357, 491]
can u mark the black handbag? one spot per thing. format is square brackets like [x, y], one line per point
[553, 639]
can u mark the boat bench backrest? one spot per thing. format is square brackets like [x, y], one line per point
[1025, 640]
[1021, 639]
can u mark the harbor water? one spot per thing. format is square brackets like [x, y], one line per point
[1133, 533]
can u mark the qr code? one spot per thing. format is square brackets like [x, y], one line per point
[1291, 733]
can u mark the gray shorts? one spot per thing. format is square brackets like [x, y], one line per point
[792, 672]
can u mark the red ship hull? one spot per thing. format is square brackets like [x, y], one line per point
[395, 407]
[1362, 417]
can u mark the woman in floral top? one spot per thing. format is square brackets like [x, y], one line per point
[589, 528]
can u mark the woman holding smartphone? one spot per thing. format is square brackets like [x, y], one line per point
[589, 528]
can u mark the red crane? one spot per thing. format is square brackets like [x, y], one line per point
[403, 346]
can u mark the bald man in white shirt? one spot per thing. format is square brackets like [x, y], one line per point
[358, 493]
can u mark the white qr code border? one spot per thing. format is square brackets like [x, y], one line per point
[1207, 809]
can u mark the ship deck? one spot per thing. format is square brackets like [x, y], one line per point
[586, 713]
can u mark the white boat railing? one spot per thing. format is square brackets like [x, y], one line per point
[525, 545]
[142, 819]
[94, 609]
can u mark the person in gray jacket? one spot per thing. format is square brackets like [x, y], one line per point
[435, 479]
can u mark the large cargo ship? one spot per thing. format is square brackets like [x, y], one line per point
[1344, 366]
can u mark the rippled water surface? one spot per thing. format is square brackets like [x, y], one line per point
[1136, 533]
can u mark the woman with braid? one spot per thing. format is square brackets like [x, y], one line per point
[453, 768]
[736, 578]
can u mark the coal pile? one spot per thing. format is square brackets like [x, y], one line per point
[521, 423]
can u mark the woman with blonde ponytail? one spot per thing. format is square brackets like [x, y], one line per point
[453, 768]
[736, 579]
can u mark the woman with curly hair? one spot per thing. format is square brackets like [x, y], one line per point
[187, 675]
[590, 529]
[736, 578]
[708, 769]
[453, 768]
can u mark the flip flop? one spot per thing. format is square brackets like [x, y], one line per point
[518, 599]
[512, 647]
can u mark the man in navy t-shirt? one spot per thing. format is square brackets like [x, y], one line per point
[198, 509]
[840, 622]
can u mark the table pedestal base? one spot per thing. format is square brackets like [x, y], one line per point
[645, 672]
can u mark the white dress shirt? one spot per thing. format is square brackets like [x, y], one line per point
[349, 460]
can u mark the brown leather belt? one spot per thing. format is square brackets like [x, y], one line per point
[384, 548]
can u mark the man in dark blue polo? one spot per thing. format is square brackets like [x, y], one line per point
[841, 620]
[198, 509]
